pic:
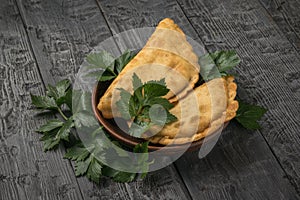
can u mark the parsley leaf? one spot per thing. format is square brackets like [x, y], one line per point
[50, 125]
[50, 140]
[86, 160]
[109, 67]
[123, 177]
[123, 60]
[81, 167]
[63, 133]
[155, 89]
[122, 104]
[77, 152]
[143, 164]
[216, 64]
[69, 98]
[59, 91]
[146, 97]
[100, 60]
[136, 82]
[94, 171]
[103, 61]
[248, 115]
[81, 101]
[208, 70]
[225, 60]
[44, 102]
[54, 132]
[85, 119]
[118, 176]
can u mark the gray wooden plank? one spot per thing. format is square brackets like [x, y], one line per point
[162, 184]
[268, 71]
[25, 171]
[286, 14]
[240, 166]
[61, 34]
[130, 14]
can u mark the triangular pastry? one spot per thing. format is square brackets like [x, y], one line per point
[216, 106]
[167, 54]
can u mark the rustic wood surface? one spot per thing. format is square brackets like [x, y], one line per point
[286, 15]
[46, 41]
[26, 172]
[269, 74]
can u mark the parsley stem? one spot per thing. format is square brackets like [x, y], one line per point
[62, 114]
[138, 112]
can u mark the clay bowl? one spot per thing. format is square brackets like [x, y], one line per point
[124, 138]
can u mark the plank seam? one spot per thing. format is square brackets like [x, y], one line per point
[29, 43]
[181, 178]
[106, 20]
[40, 74]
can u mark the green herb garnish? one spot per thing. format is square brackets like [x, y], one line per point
[109, 67]
[217, 64]
[54, 131]
[88, 158]
[145, 107]
[248, 115]
[120, 176]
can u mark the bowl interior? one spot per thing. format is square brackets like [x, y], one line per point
[114, 130]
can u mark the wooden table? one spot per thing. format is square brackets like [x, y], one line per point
[44, 41]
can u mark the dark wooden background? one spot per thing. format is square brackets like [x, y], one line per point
[43, 41]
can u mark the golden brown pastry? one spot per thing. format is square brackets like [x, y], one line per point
[167, 54]
[216, 105]
[200, 111]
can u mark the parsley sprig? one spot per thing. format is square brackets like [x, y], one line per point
[55, 130]
[248, 115]
[72, 108]
[105, 67]
[145, 107]
[217, 64]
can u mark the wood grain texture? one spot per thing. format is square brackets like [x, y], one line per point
[286, 14]
[162, 184]
[217, 184]
[61, 34]
[268, 73]
[25, 171]
[240, 166]
[126, 15]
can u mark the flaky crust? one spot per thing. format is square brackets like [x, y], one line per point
[216, 105]
[167, 54]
